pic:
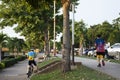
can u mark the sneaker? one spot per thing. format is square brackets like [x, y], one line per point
[99, 65]
[103, 63]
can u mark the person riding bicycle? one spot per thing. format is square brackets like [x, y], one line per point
[31, 59]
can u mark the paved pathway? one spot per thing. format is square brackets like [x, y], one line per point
[16, 72]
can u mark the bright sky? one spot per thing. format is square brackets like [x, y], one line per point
[91, 11]
[10, 32]
[97, 11]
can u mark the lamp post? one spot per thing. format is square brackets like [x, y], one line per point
[54, 47]
[73, 33]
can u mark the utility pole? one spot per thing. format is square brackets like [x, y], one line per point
[73, 63]
[54, 46]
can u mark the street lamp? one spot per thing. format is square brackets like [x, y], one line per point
[73, 7]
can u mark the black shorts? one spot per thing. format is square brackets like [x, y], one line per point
[101, 53]
[30, 62]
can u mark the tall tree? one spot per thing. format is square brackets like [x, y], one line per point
[66, 35]
[80, 34]
[116, 23]
[66, 31]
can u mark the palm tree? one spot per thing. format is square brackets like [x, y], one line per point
[3, 39]
[16, 45]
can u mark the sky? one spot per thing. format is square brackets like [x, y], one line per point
[90, 11]
[97, 11]
[11, 33]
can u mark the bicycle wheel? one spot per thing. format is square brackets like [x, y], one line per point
[30, 71]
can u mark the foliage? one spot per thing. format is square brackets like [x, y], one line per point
[79, 32]
[9, 62]
[20, 58]
[31, 20]
[15, 44]
[12, 43]
[3, 40]
[2, 65]
[107, 30]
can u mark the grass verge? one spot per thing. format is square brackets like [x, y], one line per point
[80, 73]
[111, 60]
[45, 62]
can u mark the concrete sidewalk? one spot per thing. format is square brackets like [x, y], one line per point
[16, 72]
[112, 69]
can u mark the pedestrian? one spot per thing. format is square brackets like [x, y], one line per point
[100, 50]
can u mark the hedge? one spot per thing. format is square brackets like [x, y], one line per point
[7, 62]
[2, 65]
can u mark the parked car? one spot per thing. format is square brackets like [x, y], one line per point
[92, 52]
[85, 52]
[114, 50]
[41, 55]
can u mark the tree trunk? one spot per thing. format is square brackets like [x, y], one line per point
[81, 45]
[46, 43]
[66, 36]
[1, 55]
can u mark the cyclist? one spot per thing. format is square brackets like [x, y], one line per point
[100, 50]
[31, 59]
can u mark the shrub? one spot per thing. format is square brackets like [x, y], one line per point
[20, 58]
[11, 61]
[2, 65]
[9, 56]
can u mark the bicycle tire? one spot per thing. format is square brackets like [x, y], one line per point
[30, 71]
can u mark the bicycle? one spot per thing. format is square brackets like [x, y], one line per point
[30, 71]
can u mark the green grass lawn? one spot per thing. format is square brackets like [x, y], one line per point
[80, 73]
[45, 62]
[111, 60]
[115, 61]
